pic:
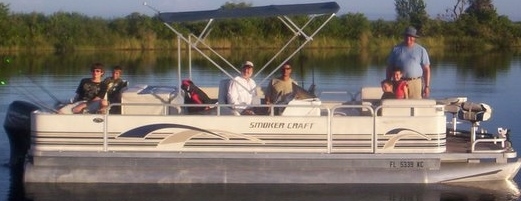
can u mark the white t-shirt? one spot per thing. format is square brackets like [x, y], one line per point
[241, 92]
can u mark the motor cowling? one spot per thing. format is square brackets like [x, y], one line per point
[17, 126]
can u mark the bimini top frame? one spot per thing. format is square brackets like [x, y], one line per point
[281, 11]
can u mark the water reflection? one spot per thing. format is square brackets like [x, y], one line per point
[16, 184]
[485, 64]
[360, 192]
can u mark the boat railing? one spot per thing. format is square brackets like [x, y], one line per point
[337, 128]
[350, 128]
[395, 126]
[162, 109]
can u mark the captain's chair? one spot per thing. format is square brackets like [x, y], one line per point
[475, 112]
[222, 98]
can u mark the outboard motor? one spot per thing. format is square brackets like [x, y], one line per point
[17, 125]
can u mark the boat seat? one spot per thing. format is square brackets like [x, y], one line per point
[212, 92]
[452, 105]
[371, 94]
[156, 96]
[474, 112]
[222, 97]
[313, 110]
[223, 91]
[409, 107]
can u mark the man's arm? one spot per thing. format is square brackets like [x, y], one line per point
[426, 81]
[388, 72]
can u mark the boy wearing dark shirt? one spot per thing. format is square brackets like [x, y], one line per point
[92, 92]
[387, 88]
[114, 86]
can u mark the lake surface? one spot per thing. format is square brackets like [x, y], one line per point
[491, 78]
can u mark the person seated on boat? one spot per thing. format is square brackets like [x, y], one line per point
[281, 88]
[194, 95]
[91, 92]
[399, 85]
[242, 90]
[114, 86]
[388, 93]
[387, 89]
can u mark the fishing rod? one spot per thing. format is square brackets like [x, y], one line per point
[31, 97]
[151, 7]
[312, 87]
[44, 90]
[302, 57]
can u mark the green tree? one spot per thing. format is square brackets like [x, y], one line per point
[231, 5]
[4, 24]
[455, 12]
[411, 11]
[482, 10]
[384, 29]
[356, 25]
[141, 26]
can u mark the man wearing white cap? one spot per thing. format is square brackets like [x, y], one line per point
[413, 60]
[242, 90]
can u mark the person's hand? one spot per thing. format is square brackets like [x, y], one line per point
[247, 112]
[426, 92]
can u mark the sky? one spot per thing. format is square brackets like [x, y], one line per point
[372, 9]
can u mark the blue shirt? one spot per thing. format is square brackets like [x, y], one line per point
[409, 59]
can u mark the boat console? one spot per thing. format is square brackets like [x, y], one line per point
[153, 100]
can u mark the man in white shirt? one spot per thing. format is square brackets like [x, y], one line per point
[242, 90]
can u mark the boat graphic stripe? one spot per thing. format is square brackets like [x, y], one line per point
[399, 130]
[142, 131]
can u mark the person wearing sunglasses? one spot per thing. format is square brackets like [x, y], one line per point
[280, 89]
[91, 92]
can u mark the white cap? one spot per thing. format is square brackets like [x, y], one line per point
[248, 63]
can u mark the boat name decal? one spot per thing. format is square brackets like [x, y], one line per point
[281, 125]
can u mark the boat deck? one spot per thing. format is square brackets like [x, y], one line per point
[461, 143]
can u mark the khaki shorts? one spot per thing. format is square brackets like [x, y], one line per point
[415, 88]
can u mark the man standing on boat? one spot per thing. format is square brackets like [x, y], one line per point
[413, 60]
[242, 90]
[280, 88]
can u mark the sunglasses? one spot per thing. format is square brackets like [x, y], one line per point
[97, 71]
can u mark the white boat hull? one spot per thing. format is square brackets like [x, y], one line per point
[257, 168]
[395, 148]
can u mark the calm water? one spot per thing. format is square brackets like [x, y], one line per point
[491, 78]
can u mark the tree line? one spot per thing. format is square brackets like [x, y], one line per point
[469, 24]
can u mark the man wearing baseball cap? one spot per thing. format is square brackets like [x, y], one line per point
[242, 90]
[413, 60]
